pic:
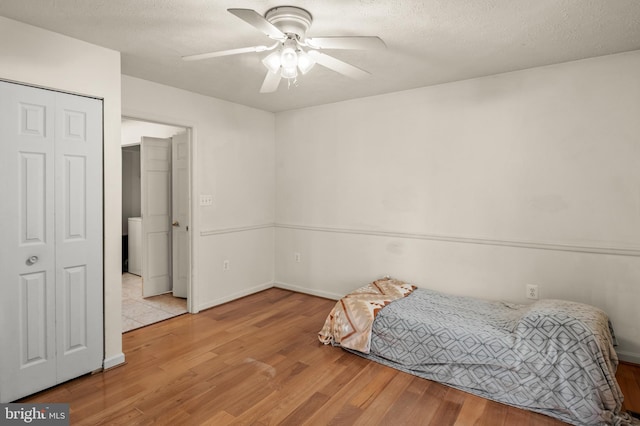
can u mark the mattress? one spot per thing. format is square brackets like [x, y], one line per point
[553, 357]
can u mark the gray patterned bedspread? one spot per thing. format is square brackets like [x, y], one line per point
[553, 357]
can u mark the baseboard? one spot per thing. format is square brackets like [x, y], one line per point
[310, 291]
[234, 296]
[631, 357]
[113, 361]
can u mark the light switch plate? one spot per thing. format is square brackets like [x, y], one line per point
[206, 200]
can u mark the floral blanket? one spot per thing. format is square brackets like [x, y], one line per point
[349, 322]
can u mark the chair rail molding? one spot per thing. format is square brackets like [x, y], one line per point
[539, 245]
[231, 230]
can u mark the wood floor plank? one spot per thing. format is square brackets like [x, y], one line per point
[257, 361]
[222, 418]
[449, 408]
[301, 413]
[402, 410]
[629, 381]
[341, 391]
[371, 390]
[471, 411]
[282, 404]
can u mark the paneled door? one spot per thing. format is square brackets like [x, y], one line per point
[155, 179]
[78, 211]
[51, 278]
[180, 189]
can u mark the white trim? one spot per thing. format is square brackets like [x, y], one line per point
[310, 291]
[237, 229]
[52, 89]
[629, 356]
[113, 361]
[237, 295]
[595, 249]
[193, 291]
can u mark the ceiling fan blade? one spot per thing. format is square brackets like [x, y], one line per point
[356, 43]
[338, 66]
[271, 82]
[253, 18]
[225, 53]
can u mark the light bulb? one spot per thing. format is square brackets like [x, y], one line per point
[288, 58]
[289, 72]
[305, 62]
[272, 62]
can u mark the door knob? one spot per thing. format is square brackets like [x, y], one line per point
[176, 223]
[32, 260]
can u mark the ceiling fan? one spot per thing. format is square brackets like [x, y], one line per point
[293, 51]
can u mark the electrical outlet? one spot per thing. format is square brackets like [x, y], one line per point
[206, 200]
[297, 257]
[532, 291]
[225, 265]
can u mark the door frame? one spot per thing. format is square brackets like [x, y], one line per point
[195, 226]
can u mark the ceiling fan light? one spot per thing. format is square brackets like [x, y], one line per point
[272, 62]
[289, 72]
[288, 58]
[305, 62]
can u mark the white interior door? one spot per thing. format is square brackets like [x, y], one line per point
[27, 241]
[50, 238]
[180, 212]
[78, 228]
[155, 166]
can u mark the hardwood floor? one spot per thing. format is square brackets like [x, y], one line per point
[258, 361]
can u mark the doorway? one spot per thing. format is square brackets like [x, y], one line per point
[155, 219]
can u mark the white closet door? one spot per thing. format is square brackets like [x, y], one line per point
[50, 238]
[155, 165]
[27, 256]
[180, 206]
[78, 224]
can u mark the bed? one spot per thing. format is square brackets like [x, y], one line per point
[553, 357]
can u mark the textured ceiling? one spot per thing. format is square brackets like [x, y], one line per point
[429, 41]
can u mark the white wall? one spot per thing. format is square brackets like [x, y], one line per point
[35, 56]
[234, 158]
[131, 186]
[476, 187]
